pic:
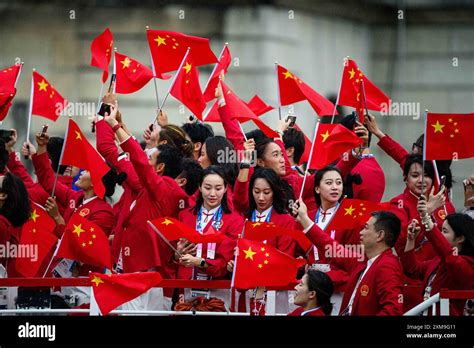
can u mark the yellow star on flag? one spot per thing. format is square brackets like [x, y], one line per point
[325, 136]
[78, 229]
[187, 67]
[351, 73]
[78, 136]
[256, 224]
[349, 210]
[97, 280]
[34, 215]
[249, 253]
[438, 127]
[287, 75]
[166, 222]
[42, 85]
[160, 41]
[126, 62]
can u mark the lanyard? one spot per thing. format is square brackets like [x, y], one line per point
[333, 232]
[267, 219]
[216, 223]
[316, 218]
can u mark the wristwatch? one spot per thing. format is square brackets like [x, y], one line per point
[202, 263]
[244, 165]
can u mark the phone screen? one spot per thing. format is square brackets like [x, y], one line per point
[104, 108]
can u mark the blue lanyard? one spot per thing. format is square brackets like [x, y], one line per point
[216, 220]
[316, 219]
[267, 219]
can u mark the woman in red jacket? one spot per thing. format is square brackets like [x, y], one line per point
[453, 266]
[208, 261]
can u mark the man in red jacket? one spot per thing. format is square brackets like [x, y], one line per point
[375, 284]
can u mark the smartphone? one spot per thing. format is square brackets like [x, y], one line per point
[292, 119]
[442, 182]
[44, 129]
[112, 83]
[104, 108]
[5, 134]
[150, 127]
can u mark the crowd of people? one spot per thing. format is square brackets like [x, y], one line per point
[418, 241]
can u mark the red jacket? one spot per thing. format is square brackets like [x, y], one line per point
[231, 225]
[314, 313]
[453, 272]
[142, 249]
[373, 180]
[380, 290]
[394, 150]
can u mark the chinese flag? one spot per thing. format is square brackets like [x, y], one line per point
[449, 136]
[224, 61]
[173, 229]
[37, 232]
[259, 264]
[239, 110]
[8, 77]
[131, 75]
[169, 47]
[261, 231]
[84, 241]
[293, 89]
[307, 147]
[256, 104]
[101, 52]
[79, 153]
[350, 94]
[113, 290]
[332, 141]
[354, 213]
[186, 87]
[47, 101]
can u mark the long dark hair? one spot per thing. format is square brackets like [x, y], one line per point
[176, 136]
[112, 178]
[16, 207]
[216, 147]
[463, 225]
[280, 200]
[199, 201]
[318, 177]
[321, 283]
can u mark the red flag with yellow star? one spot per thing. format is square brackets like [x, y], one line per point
[350, 94]
[353, 213]
[8, 77]
[131, 75]
[260, 264]
[186, 86]
[79, 153]
[293, 89]
[101, 52]
[37, 232]
[47, 101]
[173, 229]
[113, 290]
[331, 142]
[256, 105]
[169, 47]
[307, 147]
[449, 136]
[224, 61]
[84, 241]
[261, 231]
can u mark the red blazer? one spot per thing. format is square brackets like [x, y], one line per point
[160, 196]
[404, 206]
[232, 225]
[373, 180]
[454, 272]
[316, 313]
[380, 290]
[394, 150]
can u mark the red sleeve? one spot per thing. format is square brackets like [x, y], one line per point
[394, 150]
[104, 219]
[411, 266]
[240, 194]
[389, 282]
[346, 165]
[288, 168]
[232, 128]
[46, 177]
[132, 182]
[105, 142]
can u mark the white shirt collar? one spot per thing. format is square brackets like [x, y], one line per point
[264, 213]
[85, 201]
[309, 311]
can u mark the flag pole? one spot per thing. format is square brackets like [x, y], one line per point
[278, 91]
[438, 181]
[114, 71]
[172, 84]
[424, 157]
[363, 98]
[60, 159]
[338, 93]
[154, 72]
[153, 227]
[54, 255]
[310, 158]
[235, 267]
[31, 107]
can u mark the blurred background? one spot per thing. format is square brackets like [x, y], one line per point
[417, 51]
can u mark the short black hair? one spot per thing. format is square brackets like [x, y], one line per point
[112, 178]
[192, 171]
[323, 286]
[463, 225]
[198, 132]
[294, 138]
[16, 208]
[4, 156]
[417, 158]
[172, 159]
[256, 135]
[389, 223]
